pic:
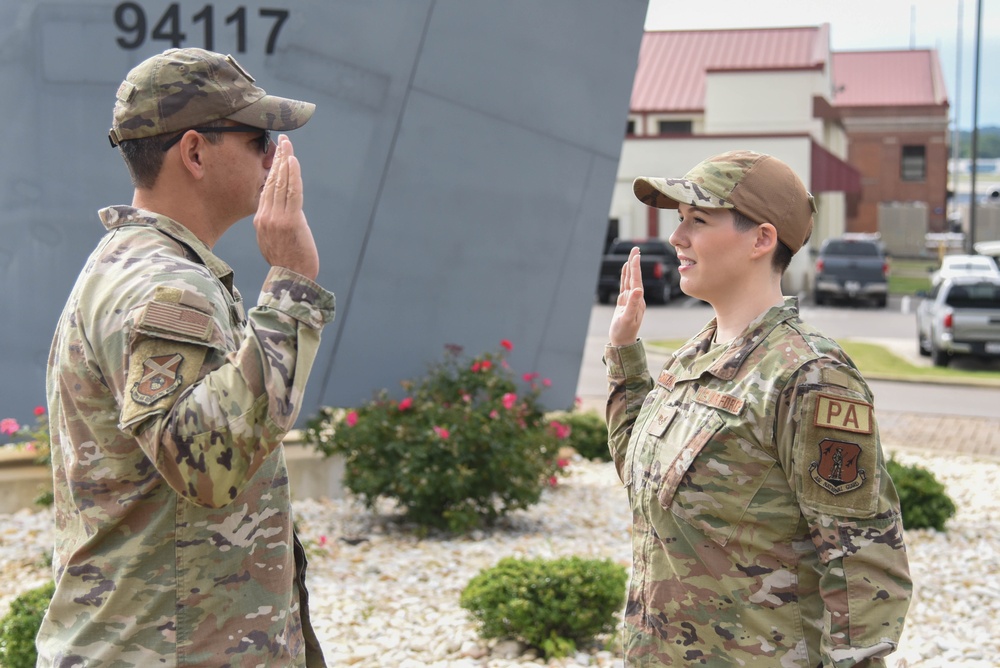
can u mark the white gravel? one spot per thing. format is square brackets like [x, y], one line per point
[382, 597]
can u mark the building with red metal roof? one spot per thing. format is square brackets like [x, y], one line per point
[894, 108]
[780, 91]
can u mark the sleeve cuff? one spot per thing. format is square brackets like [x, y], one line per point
[625, 361]
[295, 295]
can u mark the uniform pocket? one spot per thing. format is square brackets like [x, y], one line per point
[717, 482]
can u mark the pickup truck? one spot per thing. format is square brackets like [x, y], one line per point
[854, 267]
[960, 316]
[661, 279]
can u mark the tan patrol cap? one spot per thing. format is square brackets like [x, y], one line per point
[759, 186]
[184, 88]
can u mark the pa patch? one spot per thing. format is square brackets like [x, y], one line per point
[844, 414]
[160, 377]
[837, 470]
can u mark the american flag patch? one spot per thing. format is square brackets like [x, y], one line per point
[175, 319]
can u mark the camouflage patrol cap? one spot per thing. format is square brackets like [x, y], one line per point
[759, 186]
[183, 88]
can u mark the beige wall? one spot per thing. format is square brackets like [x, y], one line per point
[768, 102]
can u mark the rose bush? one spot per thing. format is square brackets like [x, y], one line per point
[466, 445]
[31, 439]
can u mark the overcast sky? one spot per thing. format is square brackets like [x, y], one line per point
[868, 25]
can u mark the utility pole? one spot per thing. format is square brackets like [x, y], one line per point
[975, 126]
[956, 140]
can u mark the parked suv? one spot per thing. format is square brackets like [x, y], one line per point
[960, 316]
[854, 267]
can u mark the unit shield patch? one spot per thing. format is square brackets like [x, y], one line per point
[837, 469]
[160, 376]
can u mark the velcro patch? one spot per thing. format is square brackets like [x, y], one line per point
[173, 318]
[659, 423]
[160, 377]
[837, 469]
[726, 402]
[843, 414]
[667, 379]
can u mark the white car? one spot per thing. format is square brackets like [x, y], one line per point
[979, 266]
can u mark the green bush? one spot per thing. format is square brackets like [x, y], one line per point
[923, 501]
[588, 435]
[465, 446]
[553, 605]
[20, 626]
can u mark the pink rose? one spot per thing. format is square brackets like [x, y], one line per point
[351, 419]
[405, 403]
[509, 400]
[441, 432]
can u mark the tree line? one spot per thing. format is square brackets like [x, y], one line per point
[988, 142]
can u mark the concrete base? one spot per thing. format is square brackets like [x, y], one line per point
[310, 475]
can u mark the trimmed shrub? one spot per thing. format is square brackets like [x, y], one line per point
[553, 605]
[923, 501]
[20, 626]
[465, 446]
[588, 435]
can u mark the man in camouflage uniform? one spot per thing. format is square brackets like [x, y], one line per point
[765, 527]
[168, 401]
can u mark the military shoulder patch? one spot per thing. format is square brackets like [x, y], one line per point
[843, 414]
[160, 377]
[837, 470]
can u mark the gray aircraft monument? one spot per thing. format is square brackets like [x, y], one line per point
[458, 170]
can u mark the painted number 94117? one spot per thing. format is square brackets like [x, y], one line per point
[131, 19]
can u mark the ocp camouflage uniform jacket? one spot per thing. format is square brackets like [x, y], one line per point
[168, 404]
[765, 526]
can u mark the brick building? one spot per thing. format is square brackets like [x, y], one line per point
[893, 106]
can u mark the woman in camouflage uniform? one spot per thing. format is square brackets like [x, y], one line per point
[765, 527]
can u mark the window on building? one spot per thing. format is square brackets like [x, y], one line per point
[913, 166]
[675, 127]
[630, 127]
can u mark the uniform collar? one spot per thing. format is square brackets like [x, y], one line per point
[114, 217]
[696, 357]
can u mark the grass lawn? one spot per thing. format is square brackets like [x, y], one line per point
[908, 277]
[877, 362]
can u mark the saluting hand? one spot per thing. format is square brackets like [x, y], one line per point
[283, 233]
[631, 305]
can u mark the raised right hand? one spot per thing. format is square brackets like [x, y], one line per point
[283, 233]
[631, 305]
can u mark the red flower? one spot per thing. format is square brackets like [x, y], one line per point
[351, 419]
[486, 365]
[475, 367]
[39, 411]
[509, 400]
[546, 382]
[553, 481]
[507, 345]
[405, 403]
[530, 376]
[442, 432]
[562, 463]
[560, 430]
